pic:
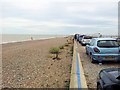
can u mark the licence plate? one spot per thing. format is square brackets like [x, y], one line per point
[110, 58]
[87, 40]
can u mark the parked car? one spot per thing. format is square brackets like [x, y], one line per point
[85, 40]
[75, 36]
[80, 38]
[109, 79]
[118, 39]
[103, 49]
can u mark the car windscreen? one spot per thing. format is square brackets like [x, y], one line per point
[87, 37]
[107, 43]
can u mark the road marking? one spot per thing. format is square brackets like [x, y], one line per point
[78, 72]
[82, 75]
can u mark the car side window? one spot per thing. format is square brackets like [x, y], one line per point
[92, 43]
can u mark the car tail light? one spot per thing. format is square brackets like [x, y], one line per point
[96, 50]
[98, 56]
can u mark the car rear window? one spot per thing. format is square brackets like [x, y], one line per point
[107, 43]
[87, 37]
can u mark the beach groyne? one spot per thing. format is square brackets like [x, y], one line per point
[77, 73]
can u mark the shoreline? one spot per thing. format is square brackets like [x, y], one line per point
[11, 42]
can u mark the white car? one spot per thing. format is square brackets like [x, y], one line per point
[85, 40]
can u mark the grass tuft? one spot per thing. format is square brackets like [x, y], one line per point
[61, 47]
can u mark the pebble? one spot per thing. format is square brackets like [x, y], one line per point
[31, 70]
[48, 67]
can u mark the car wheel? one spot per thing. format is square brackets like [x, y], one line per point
[99, 87]
[86, 52]
[91, 58]
[83, 44]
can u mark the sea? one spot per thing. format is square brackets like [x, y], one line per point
[11, 38]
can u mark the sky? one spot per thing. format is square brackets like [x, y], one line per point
[59, 16]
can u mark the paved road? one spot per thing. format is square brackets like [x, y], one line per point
[92, 70]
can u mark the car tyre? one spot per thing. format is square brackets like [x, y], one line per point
[86, 52]
[99, 87]
[91, 59]
[83, 44]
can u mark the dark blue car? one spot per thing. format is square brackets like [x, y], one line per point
[109, 79]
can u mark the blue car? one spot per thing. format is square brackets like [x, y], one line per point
[103, 49]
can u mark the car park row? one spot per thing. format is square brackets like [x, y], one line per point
[100, 50]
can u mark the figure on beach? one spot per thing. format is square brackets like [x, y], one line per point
[31, 38]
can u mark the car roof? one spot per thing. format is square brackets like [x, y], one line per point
[87, 36]
[105, 38]
[82, 35]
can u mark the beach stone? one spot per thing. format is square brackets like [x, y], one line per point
[48, 67]
[29, 59]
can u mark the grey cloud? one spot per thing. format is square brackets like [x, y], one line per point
[73, 12]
